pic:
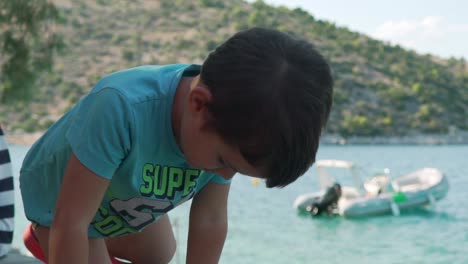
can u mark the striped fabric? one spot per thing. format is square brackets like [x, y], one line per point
[7, 197]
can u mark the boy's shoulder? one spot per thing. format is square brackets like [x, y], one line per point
[143, 82]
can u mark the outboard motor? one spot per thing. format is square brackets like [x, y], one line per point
[327, 202]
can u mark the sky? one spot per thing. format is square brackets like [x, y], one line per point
[438, 27]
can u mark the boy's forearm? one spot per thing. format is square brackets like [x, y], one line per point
[208, 224]
[68, 246]
[205, 243]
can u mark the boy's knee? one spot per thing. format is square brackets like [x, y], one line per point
[167, 255]
[150, 247]
[158, 256]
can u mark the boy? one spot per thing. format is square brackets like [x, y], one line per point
[7, 198]
[100, 181]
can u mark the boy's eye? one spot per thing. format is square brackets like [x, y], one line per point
[221, 161]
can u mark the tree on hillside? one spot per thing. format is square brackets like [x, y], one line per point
[28, 42]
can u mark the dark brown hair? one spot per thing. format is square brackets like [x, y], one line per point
[272, 94]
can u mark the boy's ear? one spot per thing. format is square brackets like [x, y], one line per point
[199, 97]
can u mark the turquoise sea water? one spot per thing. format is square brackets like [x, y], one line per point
[264, 228]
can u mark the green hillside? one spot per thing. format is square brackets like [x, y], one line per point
[381, 89]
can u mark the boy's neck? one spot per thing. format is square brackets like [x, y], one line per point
[178, 106]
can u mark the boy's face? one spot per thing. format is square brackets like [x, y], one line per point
[204, 148]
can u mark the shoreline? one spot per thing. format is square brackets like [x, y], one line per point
[22, 138]
[460, 138]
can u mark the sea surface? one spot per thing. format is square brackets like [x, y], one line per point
[264, 228]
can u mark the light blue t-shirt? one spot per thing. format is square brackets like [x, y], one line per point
[121, 131]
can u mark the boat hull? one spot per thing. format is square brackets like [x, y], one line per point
[420, 188]
[383, 203]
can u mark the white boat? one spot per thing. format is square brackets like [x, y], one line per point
[378, 195]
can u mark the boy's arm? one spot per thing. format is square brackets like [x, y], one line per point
[208, 224]
[78, 201]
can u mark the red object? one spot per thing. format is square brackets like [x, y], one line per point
[32, 244]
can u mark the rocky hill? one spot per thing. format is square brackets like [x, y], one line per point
[381, 89]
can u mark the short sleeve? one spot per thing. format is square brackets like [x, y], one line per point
[100, 132]
[218, 179]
